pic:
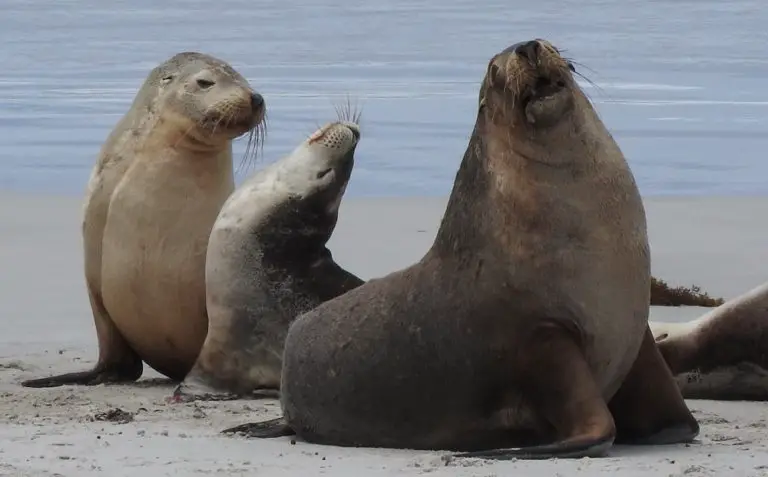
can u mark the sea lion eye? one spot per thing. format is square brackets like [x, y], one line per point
[166, 79]
[204, 83]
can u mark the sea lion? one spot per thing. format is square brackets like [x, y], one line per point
[523, 331]
[724, 353]
[153, 196]
[268, 262]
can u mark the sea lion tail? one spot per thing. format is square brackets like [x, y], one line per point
[567, 449]
[263, 430]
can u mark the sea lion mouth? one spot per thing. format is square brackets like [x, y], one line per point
[543, 89]
[532, 78]
[238, 122]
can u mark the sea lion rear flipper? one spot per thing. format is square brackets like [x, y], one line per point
[648, 408]
[85, 378]
[117, 363]
[264, 429]
[562, 392]
[189, 392]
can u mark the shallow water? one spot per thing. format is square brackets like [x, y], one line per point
[681, 83]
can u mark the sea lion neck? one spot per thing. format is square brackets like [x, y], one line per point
[462, 227]
[494, 183]
[298, 228]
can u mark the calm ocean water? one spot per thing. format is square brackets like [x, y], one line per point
[682, 84]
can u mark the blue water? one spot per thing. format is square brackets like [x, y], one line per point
[682, 84]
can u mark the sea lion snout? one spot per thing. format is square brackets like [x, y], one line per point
[527, 49]
[257, 101]
[354, 128]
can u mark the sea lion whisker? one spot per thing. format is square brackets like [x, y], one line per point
[347, 111]
[584, 77]
[251, 147]
[597, 87]
[255, 144]
[243, 158]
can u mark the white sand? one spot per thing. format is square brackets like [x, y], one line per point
[47, 328]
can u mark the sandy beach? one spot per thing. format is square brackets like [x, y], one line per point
[47, 328]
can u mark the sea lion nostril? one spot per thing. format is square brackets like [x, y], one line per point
[355, 132]
[513, 48]
[528, 50]
[257, 100]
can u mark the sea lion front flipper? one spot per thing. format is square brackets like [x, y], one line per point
[648, 408]
[117, 363]
[264, 429]
[558, 383]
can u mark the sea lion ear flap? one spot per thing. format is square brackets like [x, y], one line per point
[493, 75]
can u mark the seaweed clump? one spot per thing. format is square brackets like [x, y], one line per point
[664, 295]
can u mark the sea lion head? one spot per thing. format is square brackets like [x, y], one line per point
[319, 169]
[293, 203]
[206, 100]
[529, 85]
[536, 134]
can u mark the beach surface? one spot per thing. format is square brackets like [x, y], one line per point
[716, 243]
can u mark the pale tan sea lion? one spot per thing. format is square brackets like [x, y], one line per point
[153, 196]
[268, 262]
[523, 331]
[724, 353]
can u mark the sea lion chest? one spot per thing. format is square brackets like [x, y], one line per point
[153, 263]
[583, 249]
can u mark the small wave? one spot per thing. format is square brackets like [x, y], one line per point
[642, 86]
[685, 102]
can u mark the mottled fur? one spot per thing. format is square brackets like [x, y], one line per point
[268, 262]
